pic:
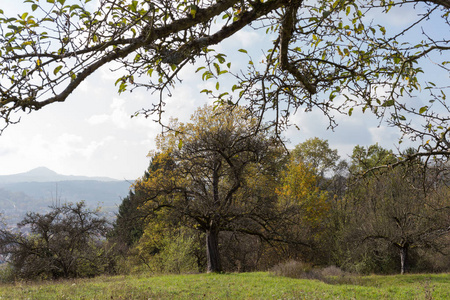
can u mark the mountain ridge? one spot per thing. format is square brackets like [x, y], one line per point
[40, 188]
[43, 174]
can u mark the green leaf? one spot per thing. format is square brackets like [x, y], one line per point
[217, 67]
[27, 43]
[193, 10]
[73, 7]
[423, 109]
[57, 69]
[388, 103]
[201, 68]
[133, 6]
[220, 58]
[206, 75]
[243, 50]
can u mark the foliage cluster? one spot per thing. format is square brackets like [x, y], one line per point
[308, 206]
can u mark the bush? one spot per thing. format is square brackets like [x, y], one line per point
[297, 269]
[6, 273]
[176, 252]
[64, 243]
[301, 270]
[332, 271]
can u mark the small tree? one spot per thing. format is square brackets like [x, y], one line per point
[129, 224]
[404, 208]
[210, 175]
[63, 243]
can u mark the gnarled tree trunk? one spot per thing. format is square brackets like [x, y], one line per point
[212, 250]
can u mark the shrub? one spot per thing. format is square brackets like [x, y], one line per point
[64, 243]
[332, 271]
[297, 269]
[175, 252]
[301, 270]
[6, 273]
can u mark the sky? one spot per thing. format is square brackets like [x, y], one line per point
[92, 133]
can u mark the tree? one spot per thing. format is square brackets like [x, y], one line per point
[368, 159]
[299, 190]
[304, 207]
[320, 50]
[214, 175]
[128, 226]
[405, 208]
[317, 154]
[61, 243]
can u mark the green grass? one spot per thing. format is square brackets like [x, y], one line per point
[233, 286]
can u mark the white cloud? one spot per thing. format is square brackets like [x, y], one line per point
[98, 119]
[246, 38]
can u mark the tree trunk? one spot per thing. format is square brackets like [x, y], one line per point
[212, 234]
[404, 259]
[212, 250]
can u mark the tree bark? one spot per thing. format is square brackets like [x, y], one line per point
[404, 259]
[212, 250]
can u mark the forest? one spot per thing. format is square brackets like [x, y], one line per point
[218, 198]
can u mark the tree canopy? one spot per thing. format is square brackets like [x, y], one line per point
[403, 209]
[329, 55]
[213, 175]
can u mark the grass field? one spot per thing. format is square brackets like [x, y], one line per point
[233, 286]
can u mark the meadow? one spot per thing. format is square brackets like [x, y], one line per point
[261, 285]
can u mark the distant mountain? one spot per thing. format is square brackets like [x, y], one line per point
[43, 174]
[40, 188]
[94, 193]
